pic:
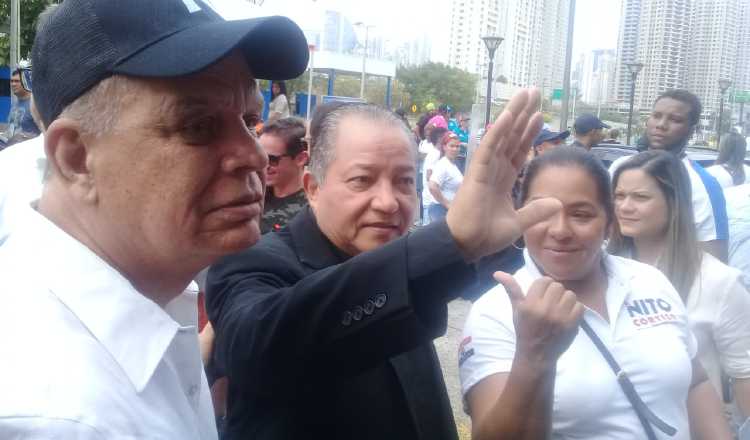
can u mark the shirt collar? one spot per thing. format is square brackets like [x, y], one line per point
[133, 329]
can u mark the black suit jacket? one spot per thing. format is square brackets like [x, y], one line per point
[319, 345]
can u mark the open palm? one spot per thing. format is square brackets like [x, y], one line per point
[482, 218]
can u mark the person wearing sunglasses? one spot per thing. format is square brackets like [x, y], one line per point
[285, 144]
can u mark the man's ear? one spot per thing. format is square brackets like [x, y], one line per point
[302, 158]
[69, 158]
[311, 187]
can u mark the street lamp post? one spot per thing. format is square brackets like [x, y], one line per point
[311, 47]
[492, 42]
[723, 86]
[635, 69]
[364, 57]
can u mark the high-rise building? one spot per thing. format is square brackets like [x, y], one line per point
[627, 46]
[534, 32]
[687, 44]
[598, 76]
[663, 42]
[712, 54]
[742, 69]
[413, 53]
[470, 21]
[338, 33]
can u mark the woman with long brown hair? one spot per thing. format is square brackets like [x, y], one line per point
[655, 226]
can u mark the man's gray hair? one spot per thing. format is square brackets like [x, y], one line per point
[324, 133]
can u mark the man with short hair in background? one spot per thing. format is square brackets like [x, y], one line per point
[672, 122]
[154, 172]
[284, 142]
[588, 131]
[613, 138]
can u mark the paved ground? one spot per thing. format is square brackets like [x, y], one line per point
[447, 349]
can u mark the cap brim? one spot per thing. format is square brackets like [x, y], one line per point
[605, 125]
[275, 48]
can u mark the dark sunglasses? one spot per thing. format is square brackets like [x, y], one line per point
[274, 159]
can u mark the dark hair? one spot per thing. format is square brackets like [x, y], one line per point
[732, 156]
[291, 131]
[282, 88]
[563, 156]
[688, 98]
[680, 260]
[423, 120]
[325, 125]
[16, 71]
[436, 135]
[614, 133]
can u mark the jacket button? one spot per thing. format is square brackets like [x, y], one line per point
[357, 313]
[369, 307]
[346, 318]
[380, 300]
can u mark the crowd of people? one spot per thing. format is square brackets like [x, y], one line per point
[608, 303]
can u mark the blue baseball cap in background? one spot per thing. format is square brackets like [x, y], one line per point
[587, 122]
[547, 135]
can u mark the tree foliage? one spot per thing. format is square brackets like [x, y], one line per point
[438, 84]
[30, 10]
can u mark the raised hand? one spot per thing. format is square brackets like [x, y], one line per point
[481, 218]
[546, 319]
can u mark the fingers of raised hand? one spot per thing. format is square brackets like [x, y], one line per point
[506, 121]
[532, 129]
[538, 210]
[511, 287]
[538, 288]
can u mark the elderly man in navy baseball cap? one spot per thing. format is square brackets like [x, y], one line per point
[588, 131]
[154, 172]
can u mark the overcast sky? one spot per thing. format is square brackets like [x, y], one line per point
[596, 21]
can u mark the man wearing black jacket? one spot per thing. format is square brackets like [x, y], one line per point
[325, 329]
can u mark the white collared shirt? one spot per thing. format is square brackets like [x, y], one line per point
[717, 305]
[85, 355]
[647, 334]
[22, 168]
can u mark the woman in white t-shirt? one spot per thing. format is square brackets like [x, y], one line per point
[526, 369]
[655, 226]
[730, 168]
[446, 178]
[279, 106]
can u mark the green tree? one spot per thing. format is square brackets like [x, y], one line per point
[30, 10]
[439, 84]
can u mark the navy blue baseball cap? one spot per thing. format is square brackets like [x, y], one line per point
[547, 135]
[587, 122]
[86, 41]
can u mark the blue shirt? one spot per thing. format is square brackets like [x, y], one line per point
[20, 119]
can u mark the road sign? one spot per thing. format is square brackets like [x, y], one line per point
[557, 94]
[741, 96]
